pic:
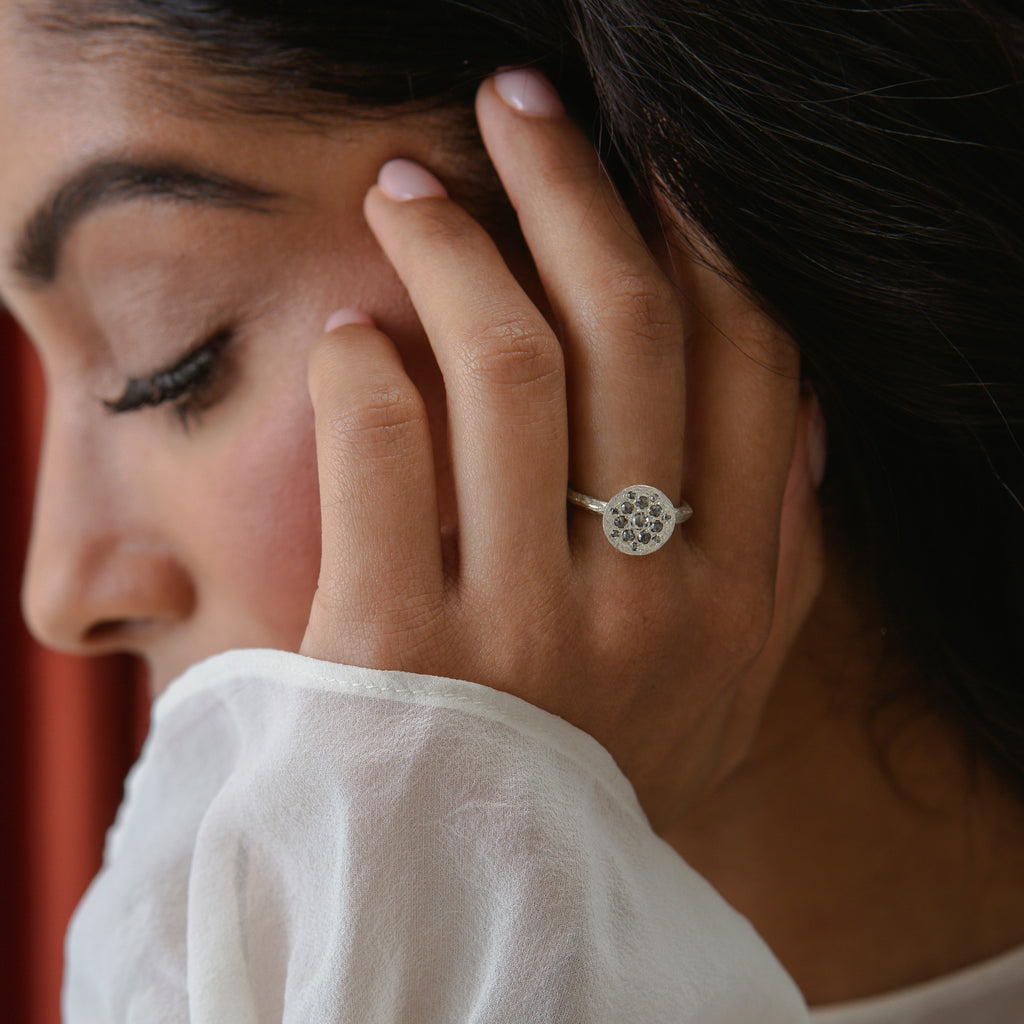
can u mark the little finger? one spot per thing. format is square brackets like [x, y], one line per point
[381, 581]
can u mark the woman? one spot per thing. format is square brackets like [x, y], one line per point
[810, 685]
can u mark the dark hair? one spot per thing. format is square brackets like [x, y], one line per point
[860, 164]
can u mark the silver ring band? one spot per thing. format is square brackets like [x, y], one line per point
[637, 520]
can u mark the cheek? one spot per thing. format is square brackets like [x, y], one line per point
[248, 506]
[256, 553]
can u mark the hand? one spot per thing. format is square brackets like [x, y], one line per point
[635, 376]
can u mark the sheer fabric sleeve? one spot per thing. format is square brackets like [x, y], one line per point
[305, 842]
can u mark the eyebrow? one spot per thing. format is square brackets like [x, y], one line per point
[105, 182]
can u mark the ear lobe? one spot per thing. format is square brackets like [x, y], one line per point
[801, 567]
[807, 468]
[817, 441]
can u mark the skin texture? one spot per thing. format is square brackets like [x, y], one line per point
[362, 517]
[155, 554]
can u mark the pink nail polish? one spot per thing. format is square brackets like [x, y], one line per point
[347, 315]
[529, 92]
[403, 179]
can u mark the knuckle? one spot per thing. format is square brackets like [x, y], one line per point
[386, 422]
[642, 302]
[635, 305]
[512, 353]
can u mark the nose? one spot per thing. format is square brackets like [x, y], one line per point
[100, 575]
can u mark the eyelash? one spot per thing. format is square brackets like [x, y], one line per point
[191, 384]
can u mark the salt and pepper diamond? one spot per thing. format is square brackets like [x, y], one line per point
[638, 520]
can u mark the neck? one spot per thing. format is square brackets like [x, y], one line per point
[855, 837]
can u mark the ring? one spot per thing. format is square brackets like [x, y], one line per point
[637, 520]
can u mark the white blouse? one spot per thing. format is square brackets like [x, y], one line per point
[306, 842]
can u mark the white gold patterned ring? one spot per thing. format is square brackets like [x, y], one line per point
[637, 520]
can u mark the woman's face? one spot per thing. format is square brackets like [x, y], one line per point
[132, 233]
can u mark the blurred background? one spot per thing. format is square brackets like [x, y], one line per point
[71, 728]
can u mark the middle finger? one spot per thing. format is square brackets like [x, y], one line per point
[618, 314]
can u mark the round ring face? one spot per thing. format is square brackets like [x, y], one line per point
[638, 520]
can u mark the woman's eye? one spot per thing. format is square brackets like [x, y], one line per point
[190, 385]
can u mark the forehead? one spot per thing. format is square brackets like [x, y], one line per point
[64, 107]
[61, 104]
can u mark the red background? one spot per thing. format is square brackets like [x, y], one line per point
[70, 729]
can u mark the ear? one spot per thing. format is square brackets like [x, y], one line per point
[801, 563]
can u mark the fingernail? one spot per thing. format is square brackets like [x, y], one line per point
[347, 315]
[529, 92]
[817, 443]
[403, 179]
